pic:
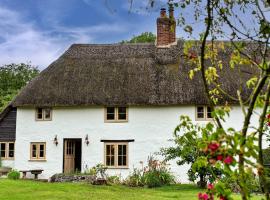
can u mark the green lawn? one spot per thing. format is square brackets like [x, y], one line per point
[31, 190]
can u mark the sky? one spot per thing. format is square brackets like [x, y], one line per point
[39, 31]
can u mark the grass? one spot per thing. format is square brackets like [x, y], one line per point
[32, 190]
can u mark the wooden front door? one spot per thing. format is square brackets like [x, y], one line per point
[69, 156]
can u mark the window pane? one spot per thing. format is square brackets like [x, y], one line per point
[47, 113]
[41, 150]
[34, 150]
[122, 149]
[200, 112]
[110, 113]
[39, 113]
[11, 150]
[209, 112]
[120, 160]
[122, 113]
[3, 150]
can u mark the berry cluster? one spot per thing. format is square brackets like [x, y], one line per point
[217, 153]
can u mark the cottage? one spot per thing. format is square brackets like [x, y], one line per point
[114, 104]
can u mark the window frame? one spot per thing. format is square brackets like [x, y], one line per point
[116, 146]
[116, 115]
[7, 157]
[43, 114]
[205, 113]
[37, 158]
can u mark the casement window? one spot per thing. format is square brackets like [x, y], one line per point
[116, 155]
[37, 151]
[203, 113]
[116, 114]
[7, 150]
[43, 114]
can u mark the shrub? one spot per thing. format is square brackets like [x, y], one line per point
[252, 181]
[14, 175]
[135, 179]
[113, 180]
[99, 170]
[155, 174]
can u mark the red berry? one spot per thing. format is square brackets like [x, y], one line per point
[210, 186]
[220, 157]
[228, 160]
[213, 146]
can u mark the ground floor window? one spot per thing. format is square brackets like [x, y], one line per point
[116, 155]
[38, 150]
[7, 150]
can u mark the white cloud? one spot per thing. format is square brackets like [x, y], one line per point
[22, 41]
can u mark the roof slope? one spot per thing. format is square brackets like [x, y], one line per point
[121, 74]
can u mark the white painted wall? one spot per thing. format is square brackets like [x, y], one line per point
[150, 127]
[8, 163]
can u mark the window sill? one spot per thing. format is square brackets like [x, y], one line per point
[37, 160]
[203, 119]
[7, 159]
[117, 167]
[116, 121]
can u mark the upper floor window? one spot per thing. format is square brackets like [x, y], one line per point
[116, 114]
[43, 114]
[38, 151]
[7, 150]
[203, 113]
[116, 155]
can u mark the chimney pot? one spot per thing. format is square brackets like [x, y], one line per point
[171, 11]
[162, 12]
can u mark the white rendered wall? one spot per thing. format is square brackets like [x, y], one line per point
[8, 163]
[150, 127]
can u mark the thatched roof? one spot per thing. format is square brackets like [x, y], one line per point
[122, 74]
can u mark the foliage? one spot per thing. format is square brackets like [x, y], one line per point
[135, 179]
[114, 180]
[187, 149]
[99, 171]
[142, 38]
[155, 174]
[14, 175]
[12, 78]
[253, 183]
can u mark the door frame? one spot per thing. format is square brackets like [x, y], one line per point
[63, 152]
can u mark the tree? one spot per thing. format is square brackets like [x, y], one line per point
[187, 139]
[142, 38]
[234, 21]
[12, 78]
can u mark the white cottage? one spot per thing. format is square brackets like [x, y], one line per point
[114, 104]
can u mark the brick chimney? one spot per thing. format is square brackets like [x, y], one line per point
[166, 28]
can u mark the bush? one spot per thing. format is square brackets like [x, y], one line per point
[14, 175]
[135, 179]
[252, 181]
[155, 174]
[113, 180]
